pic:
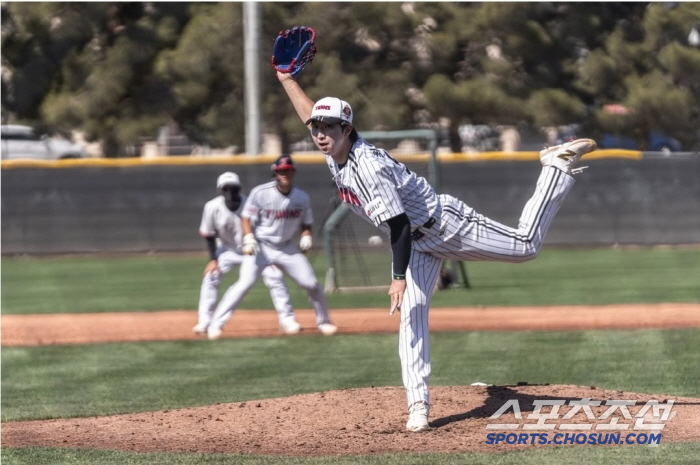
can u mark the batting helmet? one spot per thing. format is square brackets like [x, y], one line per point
[227, 179]
[284, 162]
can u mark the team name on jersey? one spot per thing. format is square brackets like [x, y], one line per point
[282, 214]
[348, 196]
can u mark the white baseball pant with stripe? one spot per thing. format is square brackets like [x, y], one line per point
[287, 258]
[459, 233]
[271, 275]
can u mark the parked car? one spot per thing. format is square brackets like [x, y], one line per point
[23, 142]
[657, 143]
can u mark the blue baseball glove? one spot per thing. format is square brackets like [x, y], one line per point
[293, 49]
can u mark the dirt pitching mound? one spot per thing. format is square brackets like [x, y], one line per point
[353, 421]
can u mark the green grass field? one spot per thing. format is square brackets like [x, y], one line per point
[149, 283]
[103, 379]
[670, 454]
[54, 382]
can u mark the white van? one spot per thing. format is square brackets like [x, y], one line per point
[22, 142]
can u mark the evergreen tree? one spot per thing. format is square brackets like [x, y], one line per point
[119, 71]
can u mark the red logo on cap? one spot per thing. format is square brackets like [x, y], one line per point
[323, 107]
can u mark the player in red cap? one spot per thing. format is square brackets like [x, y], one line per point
[221, 228]
[273, 215]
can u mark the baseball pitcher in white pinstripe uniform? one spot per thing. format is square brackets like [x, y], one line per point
[273, 215]
[221, 228]
[424, 228]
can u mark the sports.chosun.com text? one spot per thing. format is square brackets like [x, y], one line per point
[573, 438]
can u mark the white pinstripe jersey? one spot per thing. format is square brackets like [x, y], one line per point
[377, 187]
[219, 221]
[277, 217]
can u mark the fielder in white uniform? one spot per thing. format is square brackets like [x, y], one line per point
[273, 215]
[221, 227]
[425, 228]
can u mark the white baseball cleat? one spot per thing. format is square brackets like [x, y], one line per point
[291, 327]
[214, 333]
[328, 329]
[418, 417]
[566, 156]
[200, 328]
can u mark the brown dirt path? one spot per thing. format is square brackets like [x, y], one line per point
[87, 328]
[345, 422]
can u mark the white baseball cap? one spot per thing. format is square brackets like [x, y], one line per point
[331, 110]
[227, 179]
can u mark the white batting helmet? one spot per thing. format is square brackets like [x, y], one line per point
[228, 179]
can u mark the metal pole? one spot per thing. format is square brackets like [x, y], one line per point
[434, 166]
[251, 27]
[336, 217]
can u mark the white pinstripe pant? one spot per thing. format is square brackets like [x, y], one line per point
[271, 275]
[462, 234]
